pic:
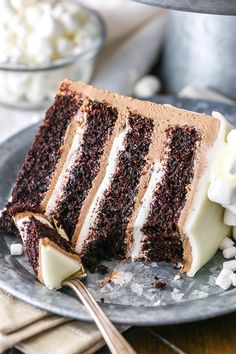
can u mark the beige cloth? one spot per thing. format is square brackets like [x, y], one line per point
[34, 331]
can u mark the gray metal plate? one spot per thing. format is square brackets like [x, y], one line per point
[131, 297]
[218, 7]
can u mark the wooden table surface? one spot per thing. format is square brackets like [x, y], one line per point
[215, 336]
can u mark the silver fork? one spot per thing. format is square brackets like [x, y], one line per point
[113, 338]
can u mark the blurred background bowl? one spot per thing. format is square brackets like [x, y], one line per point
[29, 86]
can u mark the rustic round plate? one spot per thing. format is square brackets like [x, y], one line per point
[217, 7]
[131, 298]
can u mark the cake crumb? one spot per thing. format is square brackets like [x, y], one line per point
[159, 284]
[101, 268]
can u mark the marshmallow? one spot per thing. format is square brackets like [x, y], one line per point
[226, 243]
[16, 249]
[39, 49]
[34, 14]
[7, 12]
[49, 27]
[229, 218]
[230, 265]
[229, 252]
[222, 192]
[70, 23]
[232, 277]
[226, 272]
[234, 233]
[223, 282]
[231, 139]
[64, 46]
[147, 86]
[19, 5]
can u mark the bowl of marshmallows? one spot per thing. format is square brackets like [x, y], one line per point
[41, 43]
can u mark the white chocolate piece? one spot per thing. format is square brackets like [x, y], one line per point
[229, 252]
[230, 265]
[206, 215]
[222, 192]
[147, 86]
[16, 249]
[226, 243]
[232, 277]
[229, 218]
[56, 266]
[223, 282]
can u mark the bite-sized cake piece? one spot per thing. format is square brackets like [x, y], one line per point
[125, 178]
[49, 254]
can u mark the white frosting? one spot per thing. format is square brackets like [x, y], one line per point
[55, 266]
[72, 157]
[21, 224]
[229, 218]
[117, 147]
[139, 238]
[204, 227]
[222, 192]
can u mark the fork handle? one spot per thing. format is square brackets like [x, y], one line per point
[115, 341]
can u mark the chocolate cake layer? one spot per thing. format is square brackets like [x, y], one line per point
[161, 229]
[106, 237]
[37, 170]
[37, 230]
[101, 118]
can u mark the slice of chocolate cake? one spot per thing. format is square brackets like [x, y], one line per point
[125, 178]
[49, 254]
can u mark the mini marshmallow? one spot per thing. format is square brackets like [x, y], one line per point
[16, 249]
[64, 46]
[232, 277]
[147, 86]
[231, 139]
[223, 282]
[49, 27]
[70, 23]
[226, 243]
[230, 265]
[19, 5]
[225, 272]
[229, 218]
[39, 49]
[222, 192]
[229, 252]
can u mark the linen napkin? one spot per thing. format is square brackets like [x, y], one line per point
[34, 331]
